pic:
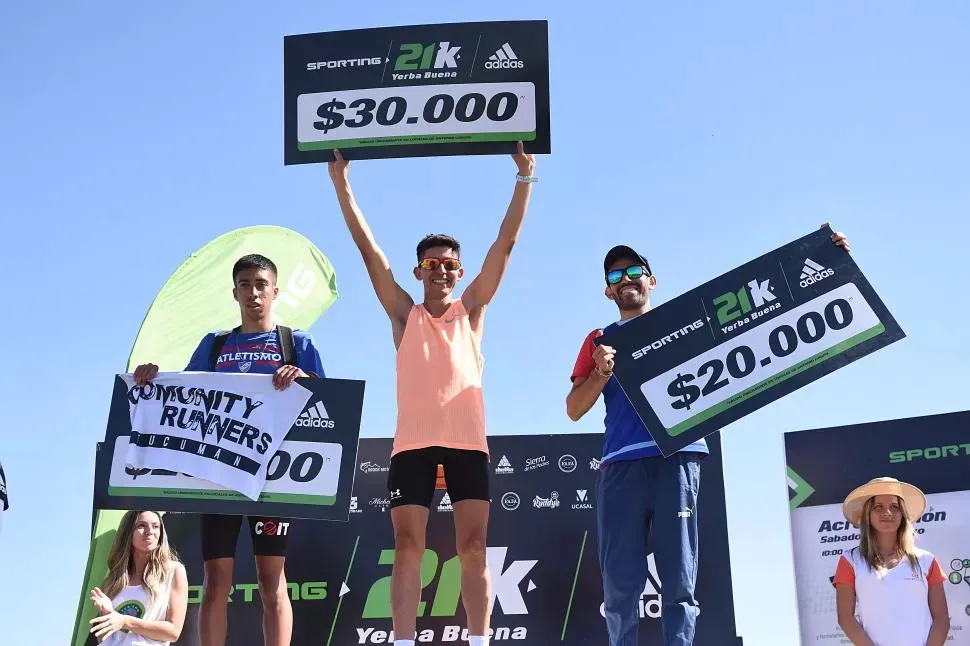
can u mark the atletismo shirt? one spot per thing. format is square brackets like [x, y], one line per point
[256, 352]
[892, 605]
[626, 437]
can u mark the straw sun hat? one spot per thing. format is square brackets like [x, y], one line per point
[913, 498]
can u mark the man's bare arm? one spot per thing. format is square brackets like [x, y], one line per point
[583, 395]
[396, 302]
[481, 291]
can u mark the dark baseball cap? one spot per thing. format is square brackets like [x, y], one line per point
[623, 251]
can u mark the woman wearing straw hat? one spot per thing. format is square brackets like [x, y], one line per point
[888, 591]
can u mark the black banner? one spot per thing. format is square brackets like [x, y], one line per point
[932, 452]
[310, 476]
[415, 91]
[748, 337]
[541, 550]
[824, 465]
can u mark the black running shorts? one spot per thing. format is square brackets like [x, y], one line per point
[220, 533]
[412, 475]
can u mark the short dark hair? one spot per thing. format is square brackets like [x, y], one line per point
[253, 261]
[438, 240]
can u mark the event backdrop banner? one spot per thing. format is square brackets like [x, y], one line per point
[310, 476]
[740, 341]
[541, 549]
[824, 465]
[422, 90]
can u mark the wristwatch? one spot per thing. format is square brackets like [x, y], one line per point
[528, 179]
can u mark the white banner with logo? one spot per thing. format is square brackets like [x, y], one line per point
[821, 534]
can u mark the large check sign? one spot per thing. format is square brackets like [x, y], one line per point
[750, 336]
[447, 89]
[311, 475]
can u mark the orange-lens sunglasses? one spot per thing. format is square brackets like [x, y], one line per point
[450, 264]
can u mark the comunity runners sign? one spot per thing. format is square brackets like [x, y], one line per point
[220, 427]
[748, 337]
[195, 426]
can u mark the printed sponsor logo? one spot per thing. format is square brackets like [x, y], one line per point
[510, 501]
[272, 528]
[503, 59]
[669, 338]
[536, 463]
[372, 467]
[582, 500]
[344, 63]
[812, 272]
[354, 507]
[930, 453]
[546, 503]
[315, 416]
[445, 504]
[567, 463]
[594, 464]
[504, 466]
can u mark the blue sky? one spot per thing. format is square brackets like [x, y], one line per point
[704, 133]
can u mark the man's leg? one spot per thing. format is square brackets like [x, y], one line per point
[270, 538]
[410, 481]
[466, 475]
[219, 535]
[675, 489]
[622, 519]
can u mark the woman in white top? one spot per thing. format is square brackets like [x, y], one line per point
[145, 594]
[888, 591]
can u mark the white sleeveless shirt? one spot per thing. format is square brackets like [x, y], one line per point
[133, 600]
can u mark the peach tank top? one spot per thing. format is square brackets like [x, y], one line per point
[439, 383]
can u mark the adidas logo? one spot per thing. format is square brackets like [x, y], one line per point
[503, 59]
[813, 272]
[445, 504]
[315, 417]
[504, 466]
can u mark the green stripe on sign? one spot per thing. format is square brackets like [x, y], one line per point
[569, 608]
[776, 379]
[406, 140]
[340, 598]
[205, 494]
[802, 489]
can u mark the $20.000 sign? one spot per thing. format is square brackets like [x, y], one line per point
[445, 89]
[746, 338]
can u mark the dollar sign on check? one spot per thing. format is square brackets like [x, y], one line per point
[683, 392]
[330, 116]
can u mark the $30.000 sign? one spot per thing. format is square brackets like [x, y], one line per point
[446, 89]
[733, 345]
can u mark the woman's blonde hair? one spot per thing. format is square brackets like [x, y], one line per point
[905, 538]
[121, 560]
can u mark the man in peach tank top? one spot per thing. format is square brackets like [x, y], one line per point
[440, 409]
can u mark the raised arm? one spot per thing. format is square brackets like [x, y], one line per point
[481, 290]
[396, 302]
